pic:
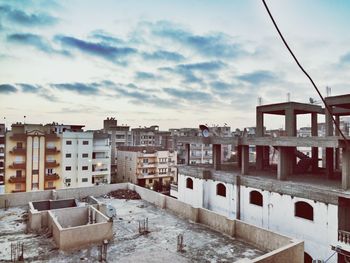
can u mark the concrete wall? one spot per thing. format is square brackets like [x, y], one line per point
[276, 214]
[71, 217]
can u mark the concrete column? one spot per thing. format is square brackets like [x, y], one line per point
[239, 155]
[259, 163]
[266, 154]
[259, 132]
[291, 122]
[337, 150]
[245, 159]
[187, 154]
[285, 165]
[217, 156]
[314, 150]
[345, 168]
[329, 163]
[329, 123]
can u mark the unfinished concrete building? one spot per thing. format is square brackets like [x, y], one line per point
[296, 197]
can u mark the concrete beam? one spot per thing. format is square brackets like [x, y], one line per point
[291, 122]
[245, 160]
[346, 168]
[259, 132]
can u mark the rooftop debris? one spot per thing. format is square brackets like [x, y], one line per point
[124, 194]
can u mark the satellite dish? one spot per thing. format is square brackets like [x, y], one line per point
[205, 130]
[111, 211]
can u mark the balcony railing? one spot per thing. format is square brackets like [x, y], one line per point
[19, 165]
[51, 150]
[18, 150]
[18, 191]
[344, 237]
[19, 137]
[51, 164]
[17, 179]
[173, 187]
[50, 177]
[50, 188]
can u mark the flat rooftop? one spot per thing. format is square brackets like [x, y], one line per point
[201, 243]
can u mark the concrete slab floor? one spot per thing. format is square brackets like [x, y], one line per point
[160, 245]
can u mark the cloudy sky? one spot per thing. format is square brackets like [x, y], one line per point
[172, 63]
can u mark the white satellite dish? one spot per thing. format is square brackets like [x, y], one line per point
[111, 211]
[205, 130]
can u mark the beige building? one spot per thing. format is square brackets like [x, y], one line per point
[146, 166]
[32, 158]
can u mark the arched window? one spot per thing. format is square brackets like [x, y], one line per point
[307, 258]
[304, 210]
[189, 183]
[256, 198]
[221, 189]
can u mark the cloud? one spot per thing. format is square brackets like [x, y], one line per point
[35, 41]
[7, 89]
[77, 87]
[203, 66]
[106, 37]
[189, 95]
[213, 45]
[345, 59]
[164, 55]
[99, 49]
[141, 75]
[27, 19]
[258, 77]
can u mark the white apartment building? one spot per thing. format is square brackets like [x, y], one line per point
[101, 158]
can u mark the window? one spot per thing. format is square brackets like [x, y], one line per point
[49, 171]
[189, 183]
[68, 168]
[150, 181]
[68, 180]
[145, 160]
[35, 171]
[256, 198]
[68, 142]
[84, 180]
[85, 168]
[85, 142]
[304, 210]
[68, 155]
[50, 184]
[221, 189]
[19, 145]
[85, 155]
[144, 171]
[18, 173]
[18, 186]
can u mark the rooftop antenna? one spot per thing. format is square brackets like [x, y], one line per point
[288, 97]
[328, 91]
[24, 119]
[259, 101]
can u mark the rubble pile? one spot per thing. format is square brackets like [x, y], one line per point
[123, 194]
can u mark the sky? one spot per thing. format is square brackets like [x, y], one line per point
[168, 63]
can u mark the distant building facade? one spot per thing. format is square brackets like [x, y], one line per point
[2, 157]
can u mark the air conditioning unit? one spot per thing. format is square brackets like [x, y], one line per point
[68, 184]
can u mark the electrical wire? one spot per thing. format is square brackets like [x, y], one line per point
[307, 75]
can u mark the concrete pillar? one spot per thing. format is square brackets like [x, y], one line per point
[259, 163]
[337, 150]
[266, 154]
[329, 163]
[259, 132]
[239, 155]
[245, 159]
[314, 150]
[187, 154]
[345, 168]
[329, 123]
[217, 156]
[291, 122]
[285, 165]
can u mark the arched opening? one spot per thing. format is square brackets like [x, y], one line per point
[307, 258]
[304, 210]
[256, 198]
[221, 189]
[189, 183]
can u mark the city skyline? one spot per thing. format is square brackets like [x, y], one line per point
[171, 64]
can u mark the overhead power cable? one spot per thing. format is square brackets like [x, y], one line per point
[307, 75]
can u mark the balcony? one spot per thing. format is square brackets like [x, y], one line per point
[51, 177]
[18, 191]
[147, 165]
[51, 164]
[18, 151]
[19, 165]
[17, 179]
[19, 137]
[51, 150]
[344, 237]
[50, 188]
[51, 137]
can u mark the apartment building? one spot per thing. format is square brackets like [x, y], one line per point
[2, 157]
[101, 158]
[147, 166]
[33, 159]
[144, 136]
[295, 196]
